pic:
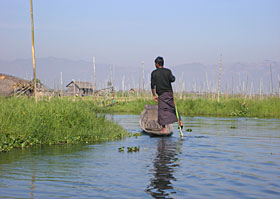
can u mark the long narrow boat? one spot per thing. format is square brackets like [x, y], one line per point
[148, 121]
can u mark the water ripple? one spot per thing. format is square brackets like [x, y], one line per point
[212, 161]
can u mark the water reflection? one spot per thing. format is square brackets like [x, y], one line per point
[243, 162]
[32, 185]
[164, 164]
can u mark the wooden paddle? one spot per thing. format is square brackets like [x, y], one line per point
[177, 115]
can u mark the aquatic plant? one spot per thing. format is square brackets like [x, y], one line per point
[130, 149]
[121, 149]
[133, 149]
[137, 134]
[24, 123]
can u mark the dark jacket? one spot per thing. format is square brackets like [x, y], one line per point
[161, 78]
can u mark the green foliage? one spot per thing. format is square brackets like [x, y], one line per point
[63, 121]
[230, 107]
[236, 107]
[132, 107]
[130, 149]
[269, 107]
[23, 123]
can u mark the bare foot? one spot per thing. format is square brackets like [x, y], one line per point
[163, 130]
[181, 124]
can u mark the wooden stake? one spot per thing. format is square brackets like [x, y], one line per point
[123, 81]
[207, 84]
[271, 81]
[61, 84]
[94, 74]
[246, 87]
[74, 89]
[227, 90]
[232, 86]
[143, 80]
[278, 86]
[33, 52]
[260, 93]
[239, 83]
[219, 82]
[251, 90]
[111, 75]
[261, 89]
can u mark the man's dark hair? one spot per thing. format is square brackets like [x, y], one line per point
[159, 61]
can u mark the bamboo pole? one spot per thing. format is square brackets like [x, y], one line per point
[227, 87]
[232, 86]
[278, 86]
[207, 84]
[61, 84]
[139, 89]
[123, 81]
[94, 74]
[74, 89]
[219, 82]
[251, 90]
[183, 88]
[261, 89]
[246, 87]
[33, 52]
[111, 75]
[243, 88]
[143, 80]
[271, 81]
[245, 92]
[239, 83]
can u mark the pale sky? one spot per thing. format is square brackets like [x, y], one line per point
[126, 32]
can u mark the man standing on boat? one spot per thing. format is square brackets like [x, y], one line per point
[161, 80]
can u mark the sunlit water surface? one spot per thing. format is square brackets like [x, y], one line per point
[220, 158]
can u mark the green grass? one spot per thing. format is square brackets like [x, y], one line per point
[23, 123]
[131, 107]
[231, 107]
[265, 108]
[63, 121]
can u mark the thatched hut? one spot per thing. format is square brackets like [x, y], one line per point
[10, 85]
[80, 88]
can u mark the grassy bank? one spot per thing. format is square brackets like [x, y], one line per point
[262, 108]
[63, 121]
[23, 123]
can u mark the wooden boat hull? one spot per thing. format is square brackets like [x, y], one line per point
[148, 121]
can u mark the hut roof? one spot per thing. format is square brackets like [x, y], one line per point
[8, 83]
[80, 84]
[12, 85]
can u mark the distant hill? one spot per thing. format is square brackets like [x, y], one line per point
[192, 75]
[237, 74]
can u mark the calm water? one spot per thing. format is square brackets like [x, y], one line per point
[220, 158]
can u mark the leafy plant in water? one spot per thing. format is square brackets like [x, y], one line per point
[24, 124]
